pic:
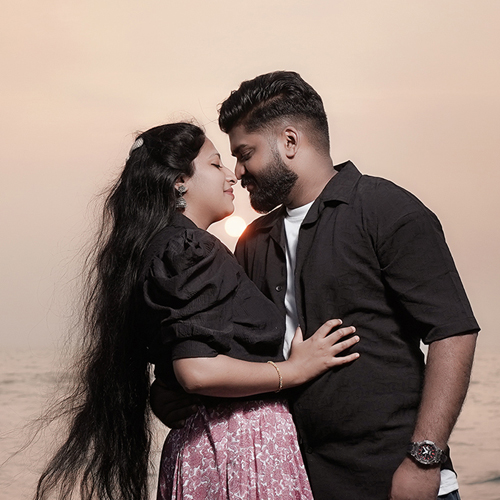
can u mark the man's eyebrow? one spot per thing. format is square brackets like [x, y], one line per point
[237, 150]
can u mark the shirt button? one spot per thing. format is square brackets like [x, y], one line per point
[279, 288]
[309, 449]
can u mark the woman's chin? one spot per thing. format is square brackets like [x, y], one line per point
[228, 213]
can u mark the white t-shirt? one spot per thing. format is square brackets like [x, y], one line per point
[293, 221]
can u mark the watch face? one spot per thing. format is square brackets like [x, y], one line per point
[426, 453]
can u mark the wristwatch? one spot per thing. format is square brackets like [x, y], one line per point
[426, 452]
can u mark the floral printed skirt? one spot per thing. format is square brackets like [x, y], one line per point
[241, 450]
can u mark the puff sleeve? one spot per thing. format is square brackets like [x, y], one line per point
[191, 284]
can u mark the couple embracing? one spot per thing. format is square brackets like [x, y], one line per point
[289, 404]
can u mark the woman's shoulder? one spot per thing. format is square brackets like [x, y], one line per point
[186, 262]
[176, 240]
[182, 245]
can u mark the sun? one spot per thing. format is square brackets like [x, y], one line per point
[234, 226]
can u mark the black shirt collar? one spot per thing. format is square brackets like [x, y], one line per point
[340, 186]
[338, 189]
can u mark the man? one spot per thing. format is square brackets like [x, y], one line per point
[362, 249]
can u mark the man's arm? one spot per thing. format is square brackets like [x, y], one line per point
[447, 375]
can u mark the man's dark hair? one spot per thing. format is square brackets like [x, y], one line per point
[261, 102]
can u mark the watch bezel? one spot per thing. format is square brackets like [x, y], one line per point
[432, 454]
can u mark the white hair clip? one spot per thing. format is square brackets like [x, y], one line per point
[137, 144]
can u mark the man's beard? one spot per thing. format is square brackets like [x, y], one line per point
[273, 185]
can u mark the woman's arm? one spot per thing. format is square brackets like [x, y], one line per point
[223, 376]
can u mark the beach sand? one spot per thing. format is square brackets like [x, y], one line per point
[27, 379]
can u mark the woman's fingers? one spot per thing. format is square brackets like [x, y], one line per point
[298, 337]
[333, 340]
[344, 344]
[338, 346]
[334, 337]
[327, 327]
[342, 360]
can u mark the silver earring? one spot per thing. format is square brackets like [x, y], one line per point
[181, 201]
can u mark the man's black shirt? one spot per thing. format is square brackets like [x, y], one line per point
[373, 255]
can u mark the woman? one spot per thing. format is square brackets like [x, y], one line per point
[164, 291]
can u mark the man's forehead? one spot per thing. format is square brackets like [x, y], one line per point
[239, 138]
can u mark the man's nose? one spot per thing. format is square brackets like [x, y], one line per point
[239, 170]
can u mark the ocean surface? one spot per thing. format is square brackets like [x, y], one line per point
[27, 381]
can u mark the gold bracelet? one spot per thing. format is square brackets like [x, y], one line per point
[280, 385]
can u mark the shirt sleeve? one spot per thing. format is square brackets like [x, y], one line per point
[418, 268]
[191, 284]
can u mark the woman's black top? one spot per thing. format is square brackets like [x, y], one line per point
[196, 301]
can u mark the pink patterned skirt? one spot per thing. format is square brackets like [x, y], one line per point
[241, 450]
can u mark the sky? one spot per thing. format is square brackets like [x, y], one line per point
[411, 89]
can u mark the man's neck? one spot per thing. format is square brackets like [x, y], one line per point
[309, 187]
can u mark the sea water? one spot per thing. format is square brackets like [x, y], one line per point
[28, 379]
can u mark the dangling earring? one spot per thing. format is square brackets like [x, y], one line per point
[181, 201]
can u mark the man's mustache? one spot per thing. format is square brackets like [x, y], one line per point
[248, 179]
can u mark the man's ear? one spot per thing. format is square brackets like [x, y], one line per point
[290, 141]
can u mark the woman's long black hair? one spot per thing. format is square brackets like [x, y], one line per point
[106, 453]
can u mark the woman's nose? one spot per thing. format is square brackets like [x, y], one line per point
[230, 176]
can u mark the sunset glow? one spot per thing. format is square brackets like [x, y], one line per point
[234, 226]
